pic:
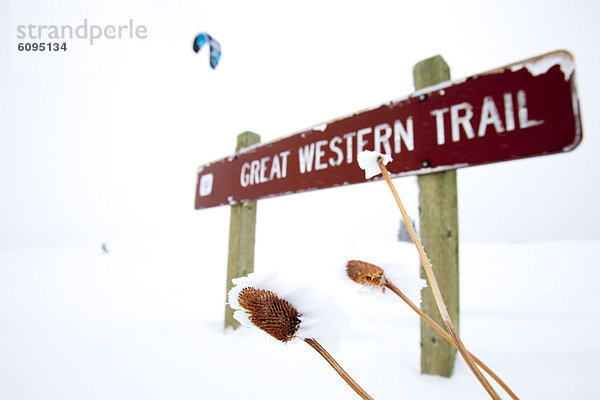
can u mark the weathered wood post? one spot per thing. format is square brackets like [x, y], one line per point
[438, 217]
[242, 229]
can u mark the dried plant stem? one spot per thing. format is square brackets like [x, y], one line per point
[445, 335]
[436, 290]
[338, 368]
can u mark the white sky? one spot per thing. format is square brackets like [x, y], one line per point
[101, 143]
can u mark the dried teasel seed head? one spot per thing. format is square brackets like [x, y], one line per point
[365, 273]
[268, 312]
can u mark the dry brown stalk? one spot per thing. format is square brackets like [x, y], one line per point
[281, 320]
[446, 336]
[369, 274]
[338, 368]
[436, 289]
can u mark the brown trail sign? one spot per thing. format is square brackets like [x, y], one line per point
[525, 109]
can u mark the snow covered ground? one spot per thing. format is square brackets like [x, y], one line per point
[145, 322]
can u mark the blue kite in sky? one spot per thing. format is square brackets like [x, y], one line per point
[215, 48]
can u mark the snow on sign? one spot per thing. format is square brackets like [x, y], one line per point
[525, 109]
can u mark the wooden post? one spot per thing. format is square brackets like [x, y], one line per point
[242, 229]
[438, 215]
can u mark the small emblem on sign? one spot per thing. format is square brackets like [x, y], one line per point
[206, 185]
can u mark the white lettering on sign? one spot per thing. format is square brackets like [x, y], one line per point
[264, 170]
[334, 147]
[439, 123]
[348, 137]
[464, 120]
[305, 157]
[313, 156]
[495, 115]
[509, 115]
[461, 115]
[406, 136]
[319, 154]
[489, 116]
[524, 121]
[360, 139]
[382, 135]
